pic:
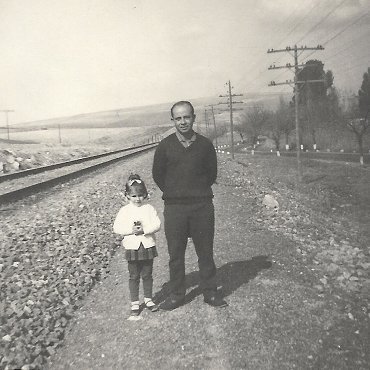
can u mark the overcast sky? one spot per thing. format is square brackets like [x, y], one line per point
[64, 57]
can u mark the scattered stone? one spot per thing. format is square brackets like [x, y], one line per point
[319, 288]
[10, 159]
[7, 338]
[270, 202]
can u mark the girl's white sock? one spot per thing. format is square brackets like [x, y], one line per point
[148, 302]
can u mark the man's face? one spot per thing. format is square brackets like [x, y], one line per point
[183, 118]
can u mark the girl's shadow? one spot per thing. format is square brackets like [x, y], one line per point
[230, 276]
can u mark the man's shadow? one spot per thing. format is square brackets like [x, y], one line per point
[230, 276]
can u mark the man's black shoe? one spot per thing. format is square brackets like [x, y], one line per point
[170, 304]
[215, 301]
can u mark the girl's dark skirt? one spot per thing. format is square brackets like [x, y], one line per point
[141, 254]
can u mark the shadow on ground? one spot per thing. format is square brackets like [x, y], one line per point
[230, 277]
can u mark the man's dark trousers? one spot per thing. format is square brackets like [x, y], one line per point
[197, 221]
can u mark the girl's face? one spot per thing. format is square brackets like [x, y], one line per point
[136, 196]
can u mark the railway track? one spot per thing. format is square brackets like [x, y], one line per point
[333, 156]
[32, 171]
[18, 185]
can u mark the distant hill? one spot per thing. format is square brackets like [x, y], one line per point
[151, 115]
[7, 142]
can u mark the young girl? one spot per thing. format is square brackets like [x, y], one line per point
[138, 222]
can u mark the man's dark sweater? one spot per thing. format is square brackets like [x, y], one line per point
[185, 175]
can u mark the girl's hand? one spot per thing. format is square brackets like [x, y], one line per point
[137, 229]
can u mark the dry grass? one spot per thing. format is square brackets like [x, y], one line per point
[346, 182]
[86, 136]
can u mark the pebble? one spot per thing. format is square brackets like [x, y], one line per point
[7, 338]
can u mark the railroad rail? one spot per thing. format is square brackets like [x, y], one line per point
[56, 177]
[31, 171]
[334, 156]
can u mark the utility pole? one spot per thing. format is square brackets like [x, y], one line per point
[206, 121]
[296, 83]
[118, 117]
[214, 123]
[230, 103]
[7, 111]
[198, 126]
[60, 134]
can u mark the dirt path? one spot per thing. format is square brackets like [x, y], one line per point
[275, 319]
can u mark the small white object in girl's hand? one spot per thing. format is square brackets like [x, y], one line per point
[133, 181]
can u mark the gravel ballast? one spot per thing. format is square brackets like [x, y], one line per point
[58, 246]
[54, 247]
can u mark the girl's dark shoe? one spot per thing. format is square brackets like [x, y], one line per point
[215, 301]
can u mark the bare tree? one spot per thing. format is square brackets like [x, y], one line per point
[334, 112]
[239, 128]
[281, 123]
[253, 122]
[359, 126]
[360, 123]
[364, 96]
[220, 131]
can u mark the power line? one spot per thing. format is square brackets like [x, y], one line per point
[230, 103]
[352, 44]
[291, 31]
[286, 19]
[214, 123]
[313, 28]
[341, 31]
[352, 67]
[350, 25]
[264, 71]
[299, 23]
[296, 83]
[322, 20]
